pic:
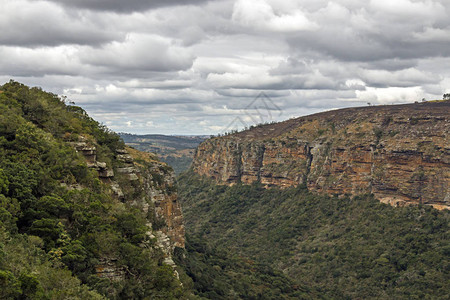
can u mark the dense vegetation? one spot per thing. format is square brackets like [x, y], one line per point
[349, 248]
[221, 274]
[179, 163]
[58, 221]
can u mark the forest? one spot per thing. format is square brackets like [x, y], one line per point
[319, 246]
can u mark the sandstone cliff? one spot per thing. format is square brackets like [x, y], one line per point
[141, 179]
[399, 153]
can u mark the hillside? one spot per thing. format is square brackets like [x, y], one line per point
[339, 248]
[176, 151]
[81, 215]
[399, 153]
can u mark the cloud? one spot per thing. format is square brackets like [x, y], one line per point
[403, 78]
[40, 23]
[139, 53]
[379, 30]
[258, 14]
[251, 93]
[155, 84]
[430, 34]
[407, 10]
[193, 66]
[125, 6]
[60, 60]
[391, 95]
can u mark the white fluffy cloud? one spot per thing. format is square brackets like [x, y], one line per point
[193, 66]
[260, 15]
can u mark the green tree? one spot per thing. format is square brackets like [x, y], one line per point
[9, 285]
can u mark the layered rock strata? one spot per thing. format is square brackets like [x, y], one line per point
[399, 153]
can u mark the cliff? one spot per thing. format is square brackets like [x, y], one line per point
[158, 181]
[399, 153]
[140, 179]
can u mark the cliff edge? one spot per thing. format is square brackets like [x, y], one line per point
[399, 153]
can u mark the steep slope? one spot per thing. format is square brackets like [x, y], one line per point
[81, 216]
[400, 153]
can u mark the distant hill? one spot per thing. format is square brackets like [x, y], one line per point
[177, 151]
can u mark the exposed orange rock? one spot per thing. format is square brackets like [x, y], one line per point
[399, 153]
[158, 181]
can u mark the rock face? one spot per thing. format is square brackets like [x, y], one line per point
[139, 178]
[399, 153]
[157, 180]
[107, 268]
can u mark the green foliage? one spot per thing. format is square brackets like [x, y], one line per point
[58, 221]
[9, 211]
[378, 132]
[52, 206]
[132, 226]
[345, 248]
[27, 273]
[4, 183]
[219, 274]
[22, 179]
[47, 111]
[30, 286]
[48, 229]
[9, 285]
[178, 163]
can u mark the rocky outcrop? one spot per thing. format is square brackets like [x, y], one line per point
[107, 268]
[157, 180]
[399, 153]
[140, 179]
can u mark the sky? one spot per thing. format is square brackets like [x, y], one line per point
[205, 67]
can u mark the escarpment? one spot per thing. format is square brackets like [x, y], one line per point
[398, 153]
